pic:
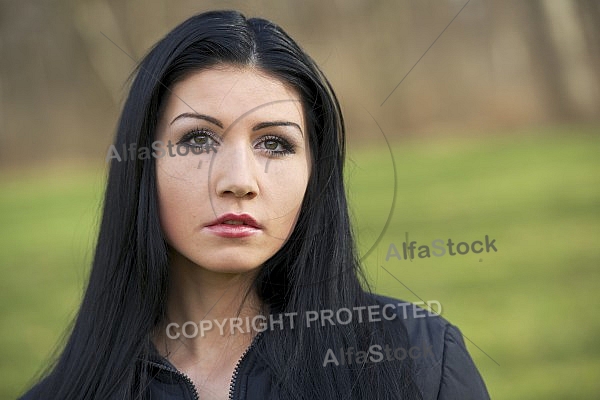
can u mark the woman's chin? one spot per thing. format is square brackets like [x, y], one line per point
[233, 269]
[230, 265]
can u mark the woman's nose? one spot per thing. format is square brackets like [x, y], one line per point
[235, 171]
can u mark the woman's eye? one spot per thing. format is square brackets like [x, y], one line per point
[277, 146]
[271, 144]
[198, 138]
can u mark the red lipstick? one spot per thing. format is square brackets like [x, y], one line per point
[232, 225]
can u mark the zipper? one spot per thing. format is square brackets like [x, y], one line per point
[189, 382]
[180, 374]
[236, 370]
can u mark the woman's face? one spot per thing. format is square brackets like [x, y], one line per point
[254, 163]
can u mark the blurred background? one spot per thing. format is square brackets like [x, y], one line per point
[464, 119]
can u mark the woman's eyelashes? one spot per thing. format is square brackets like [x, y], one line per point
[276, 146]
[199, 137]
[272, 145]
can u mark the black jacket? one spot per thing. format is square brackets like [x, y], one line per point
[444, 369]
[450, 374]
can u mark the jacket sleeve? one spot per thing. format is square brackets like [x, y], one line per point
[460, 379]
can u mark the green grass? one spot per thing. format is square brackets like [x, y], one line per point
[47, 220]
[531, 306]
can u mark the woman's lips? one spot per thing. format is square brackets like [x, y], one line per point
[232, 231]
[233, 225]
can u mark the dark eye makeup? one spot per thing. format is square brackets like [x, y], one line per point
[273, 145]
[199, 137]
[281, 146]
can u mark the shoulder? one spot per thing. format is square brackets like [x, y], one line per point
[444, 369]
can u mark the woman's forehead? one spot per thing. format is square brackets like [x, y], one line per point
[232, 92]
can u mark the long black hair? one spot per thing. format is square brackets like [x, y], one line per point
[317, 268]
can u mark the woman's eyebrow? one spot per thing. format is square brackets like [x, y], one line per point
[263, 125]
[256, 127]
[198, 116]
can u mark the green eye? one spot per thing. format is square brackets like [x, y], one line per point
[271, 144]
[276, 146]
[200, 140]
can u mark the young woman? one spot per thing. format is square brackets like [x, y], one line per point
[225, 265]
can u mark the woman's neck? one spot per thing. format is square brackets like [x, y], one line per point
[204, 309]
